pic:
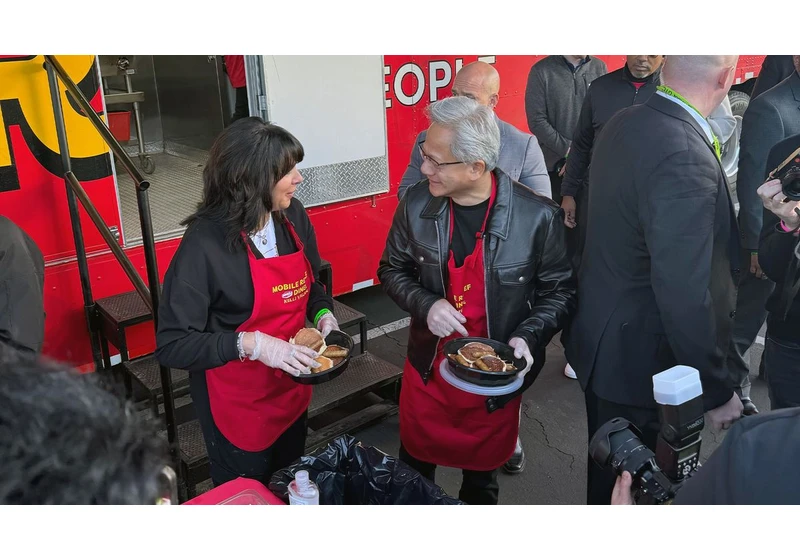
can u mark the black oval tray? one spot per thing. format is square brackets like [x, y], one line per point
[478, 376]
[337, 338]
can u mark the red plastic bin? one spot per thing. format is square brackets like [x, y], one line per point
[119, 122]
[242, 491]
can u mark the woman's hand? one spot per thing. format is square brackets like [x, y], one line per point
[772, 197]
[327, 323]
[279, 354]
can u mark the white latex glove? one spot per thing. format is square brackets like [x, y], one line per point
[279, 354]
[326, 324]
[521, 350]
[724, 416]
[443, 320]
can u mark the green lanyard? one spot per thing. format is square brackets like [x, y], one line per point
[676, 95]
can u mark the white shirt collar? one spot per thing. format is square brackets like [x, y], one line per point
[701, 120]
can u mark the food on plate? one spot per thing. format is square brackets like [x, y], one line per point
[310, 338]
[475, 350]
[491, 363]
[477, 355]
[324, 364]
[334, 351]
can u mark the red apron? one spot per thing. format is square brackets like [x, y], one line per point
[443, 425]
[251, 403]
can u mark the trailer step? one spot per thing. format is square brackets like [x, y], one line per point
[365, 373]
[146, 373]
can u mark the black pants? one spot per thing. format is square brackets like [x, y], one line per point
[477, 487]
[751, 313]
[228, 462]
[782, 370]
[600, 482]
[242, 108]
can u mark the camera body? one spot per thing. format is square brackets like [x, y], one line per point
[788, 172]
[658, 475]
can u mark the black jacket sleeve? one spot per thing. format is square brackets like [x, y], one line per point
[580, 153]
[678, 211]
[536, 113]
[555, 290]
[762, 129]
[182, 340]
[776, 248]
[398, 273]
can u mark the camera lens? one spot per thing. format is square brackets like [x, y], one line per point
[617, 445]
[790, 184]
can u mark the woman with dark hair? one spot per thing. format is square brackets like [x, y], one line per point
[241, 284]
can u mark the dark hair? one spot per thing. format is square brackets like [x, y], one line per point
[64, 439]
[246, 161]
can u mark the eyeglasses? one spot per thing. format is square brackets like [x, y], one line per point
[436, 165]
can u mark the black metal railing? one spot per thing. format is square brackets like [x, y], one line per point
[75, 193]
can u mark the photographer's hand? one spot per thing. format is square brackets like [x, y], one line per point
[724, 416]
[622, 495]
[773, 199]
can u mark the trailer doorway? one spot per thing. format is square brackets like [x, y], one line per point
[184, 102]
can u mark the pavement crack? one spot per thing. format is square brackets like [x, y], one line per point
[547, 439]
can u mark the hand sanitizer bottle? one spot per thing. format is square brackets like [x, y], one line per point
[303, 492]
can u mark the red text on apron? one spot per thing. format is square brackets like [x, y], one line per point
[443, 425]
[251, 403]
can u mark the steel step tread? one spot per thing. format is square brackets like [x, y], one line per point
[364, 374]
[146, 371]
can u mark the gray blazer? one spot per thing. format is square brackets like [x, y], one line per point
[770, 118]
[521, 159]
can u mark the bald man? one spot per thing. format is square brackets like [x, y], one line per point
[657, 285]
[520, 155]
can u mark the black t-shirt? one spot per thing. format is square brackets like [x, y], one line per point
[467, 221]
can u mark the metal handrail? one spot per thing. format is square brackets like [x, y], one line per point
[99, 125]
[97, 220]
[152, 296]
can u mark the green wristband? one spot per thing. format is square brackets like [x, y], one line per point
[320, 314]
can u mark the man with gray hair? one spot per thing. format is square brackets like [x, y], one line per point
[657, 284]
[520, 155]
[471, 253]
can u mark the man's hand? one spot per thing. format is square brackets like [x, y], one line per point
[443, 320]
[755, 268]
[521, 350]
[773, 199]
[621, 496]
[568, 204]
[724, 416]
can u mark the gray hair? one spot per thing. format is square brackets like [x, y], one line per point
[476, 136]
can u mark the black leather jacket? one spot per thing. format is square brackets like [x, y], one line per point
[530, 282]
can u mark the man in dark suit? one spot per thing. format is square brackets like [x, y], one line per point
[774, 69]
[657, 286]
[770, 118]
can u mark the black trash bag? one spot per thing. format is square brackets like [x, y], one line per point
[348, 473]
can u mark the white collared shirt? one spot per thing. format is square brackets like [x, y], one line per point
[701, 120]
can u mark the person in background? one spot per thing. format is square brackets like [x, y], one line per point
[770, 118]
[520, 154]
[21, 290]
[774, 69]
[234, 67]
